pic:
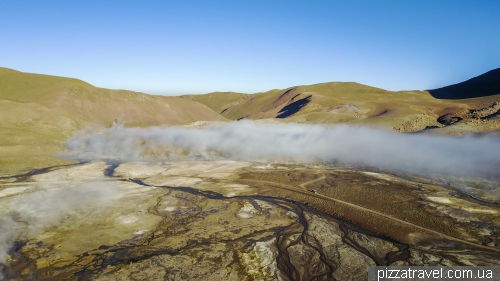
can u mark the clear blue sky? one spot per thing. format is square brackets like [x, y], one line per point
[180, 47]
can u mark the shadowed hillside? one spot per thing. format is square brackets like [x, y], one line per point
[487, 84]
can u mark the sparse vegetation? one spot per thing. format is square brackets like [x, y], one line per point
[38, 113]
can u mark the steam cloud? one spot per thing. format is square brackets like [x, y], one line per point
[28, 213]
[351, 145]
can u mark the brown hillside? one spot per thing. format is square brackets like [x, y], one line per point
[39, 112]
[219, 101]
[348, 102]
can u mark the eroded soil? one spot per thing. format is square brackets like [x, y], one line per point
[231, 220]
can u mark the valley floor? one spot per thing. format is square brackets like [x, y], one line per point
[213, 220]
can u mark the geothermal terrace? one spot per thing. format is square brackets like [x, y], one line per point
[226, 219]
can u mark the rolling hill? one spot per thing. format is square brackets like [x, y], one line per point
[353, 103]
[39, 112]
[219, 101]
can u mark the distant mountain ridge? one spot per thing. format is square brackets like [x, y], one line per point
[486, 84]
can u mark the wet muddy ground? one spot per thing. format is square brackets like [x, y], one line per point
[236, 221]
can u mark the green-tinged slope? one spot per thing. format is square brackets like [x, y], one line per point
[39, 112]
[334, 102]
[83, 102]
[353, 103]
[219, 101]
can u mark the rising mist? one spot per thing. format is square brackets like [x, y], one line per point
[343, 144]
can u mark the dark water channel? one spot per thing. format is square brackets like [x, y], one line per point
[323, 267]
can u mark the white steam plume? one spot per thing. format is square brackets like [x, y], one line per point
[26, 214]
[416, 153]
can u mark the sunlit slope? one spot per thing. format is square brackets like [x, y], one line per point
[348, 102]
[81, 101]
[219, 101]
[39, 112]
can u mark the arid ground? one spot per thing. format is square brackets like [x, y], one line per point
[188, 218]
[212, 220]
